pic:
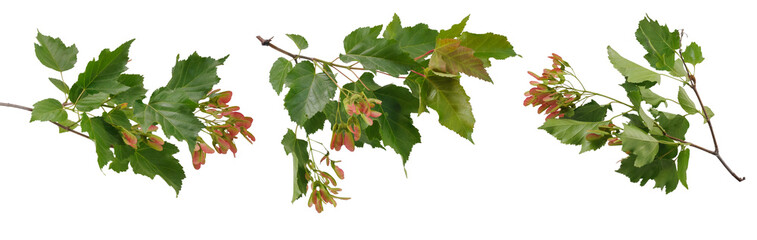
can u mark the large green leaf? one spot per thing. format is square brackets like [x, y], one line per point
[278, 74]
[663, 171]
[415, 40]
[135, 92]
[455, 31]
[659, 42]
[693, 55]
[374, 54]
[298, 149]
[105, 136]
[100, 78]
[48, 110]
[450, 57]
[397, 129]
[173, 111]
[195, 76]
[149, 162]
[298, 40]
[633, 72]
[572, 132]
[590, 112]
[308, 92]
[445, 95]
[640, 144]
[488, 45]
[52, 53]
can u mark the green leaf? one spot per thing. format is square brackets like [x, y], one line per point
[649, 123]
[117, 118]
[633, 72]
[693, 55]
[298, 40]
[416, 40]
[488, 45]
[105, 136]
[454, 31]
[710, 114]
[298, 149]
[663, 171]
[149, 162]
[195, 76]
[640, 144]
[450, 57]
[678, 69]
[397, 129]
[100, 78]
[659, 42]
[399, 95]
[68, 123]
[633, 93]
[448, 98]
[374, 54]
[315, 123]
[52, 53]
[675, 125]
[393, 28]
[686, 102]
[278, 74]
[683, 165]
[62, 86]
[135, 92]
[48, 110]
[651, 97]
[570, 131]
[308, 92]
[173, 111]
[590, 112]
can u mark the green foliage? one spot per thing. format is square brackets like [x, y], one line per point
[693, 54]
[298, 40]
[365, 113]
[569, 131]
[100, 79]
[60, 85]
[150, 162]
[660, 43]
[633, 72]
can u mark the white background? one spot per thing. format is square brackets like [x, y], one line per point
[515, 182]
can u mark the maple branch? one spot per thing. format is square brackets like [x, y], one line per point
[716, 152]
[11, 105]
[267, 42]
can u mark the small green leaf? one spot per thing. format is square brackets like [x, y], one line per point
[659, 42]
[48, 110]
[448, 98]
[679, 70]
[649, 123]
[633, 72]
[62, 86]
[52, 53]
[298, 40]
[640, 144]
[675, 125]
[710, 114]
[693, 55]
[683, 165]
[454, 31]
[450, 57]
[278, 74]
[68, 123]
[488, 45]
[315, 123]
[118, 118]
[686, 102]
[590, 112]
[308, 92]
[150, 162]
[633, 93]
[100, 78]
[374, 54]
[298, 149]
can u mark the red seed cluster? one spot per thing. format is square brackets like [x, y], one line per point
[546, 95]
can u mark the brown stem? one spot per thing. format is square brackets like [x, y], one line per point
[11, 105]
[267, 42]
